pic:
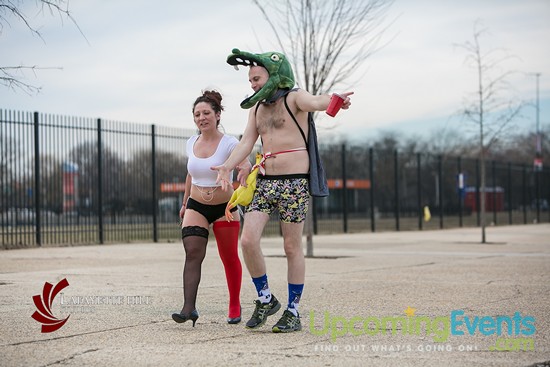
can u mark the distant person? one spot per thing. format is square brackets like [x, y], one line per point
[280, 118]
[204, 204]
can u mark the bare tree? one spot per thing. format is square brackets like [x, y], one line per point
[327, 41]
[12, 76]
[493, 113]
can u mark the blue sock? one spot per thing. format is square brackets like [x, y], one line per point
[294, 295]
[262, 287]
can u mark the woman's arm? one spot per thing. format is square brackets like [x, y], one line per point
[244, 169]
[185, 195]
[240, 153]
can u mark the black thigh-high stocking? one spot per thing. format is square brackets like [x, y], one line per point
[195, 241]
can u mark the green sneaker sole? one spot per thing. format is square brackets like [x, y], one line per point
[277, 330]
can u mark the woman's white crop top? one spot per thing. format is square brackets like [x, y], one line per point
[199, 168]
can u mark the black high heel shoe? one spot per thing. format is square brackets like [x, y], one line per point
[180, 317]
[235, 320]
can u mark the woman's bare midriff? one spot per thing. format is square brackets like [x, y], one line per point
[218, 196]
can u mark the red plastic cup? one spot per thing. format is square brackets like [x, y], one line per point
[336, 102]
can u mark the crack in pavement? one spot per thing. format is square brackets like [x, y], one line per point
[81, 334]
[71, 357]
[388, 268]
[201, 341]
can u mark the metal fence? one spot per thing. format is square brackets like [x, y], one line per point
[69, 180]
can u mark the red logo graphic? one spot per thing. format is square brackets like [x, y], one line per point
[44, 306]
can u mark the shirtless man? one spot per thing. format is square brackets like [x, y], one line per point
[283, 187]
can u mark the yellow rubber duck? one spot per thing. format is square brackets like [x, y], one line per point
[243, 195]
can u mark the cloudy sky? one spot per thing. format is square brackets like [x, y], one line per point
[146, 63]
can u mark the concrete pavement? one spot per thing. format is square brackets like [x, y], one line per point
[431, 298]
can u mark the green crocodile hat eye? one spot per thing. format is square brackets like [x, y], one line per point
[275, 57]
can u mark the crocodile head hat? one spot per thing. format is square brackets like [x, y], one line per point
[276, 64]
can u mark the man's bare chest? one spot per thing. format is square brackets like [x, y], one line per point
[275, 121]
[270, 119]
[270, 123]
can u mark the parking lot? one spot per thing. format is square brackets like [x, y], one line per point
[424, 298]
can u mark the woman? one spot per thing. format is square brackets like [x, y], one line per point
[204, 204]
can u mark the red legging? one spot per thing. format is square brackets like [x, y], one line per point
[227, 238]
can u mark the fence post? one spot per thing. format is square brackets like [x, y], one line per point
[309, 227]
[99, 184]
[440, 189]
[548, 193]
[371, 177]
[478, 209]
[37, 179]
[537, 192]
[419, 196]
[494, 174]
[344, 189]
[314, 212]
[510, 220]
[459, 190]
[396, 187]
[524, 194]
[154, 184]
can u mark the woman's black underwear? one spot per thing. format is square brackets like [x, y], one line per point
[210, 212]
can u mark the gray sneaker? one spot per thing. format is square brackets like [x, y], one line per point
[262, 311]
[287, 323]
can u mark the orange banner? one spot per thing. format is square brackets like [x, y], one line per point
[333, 183]
[336, 183]
[172, 187]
